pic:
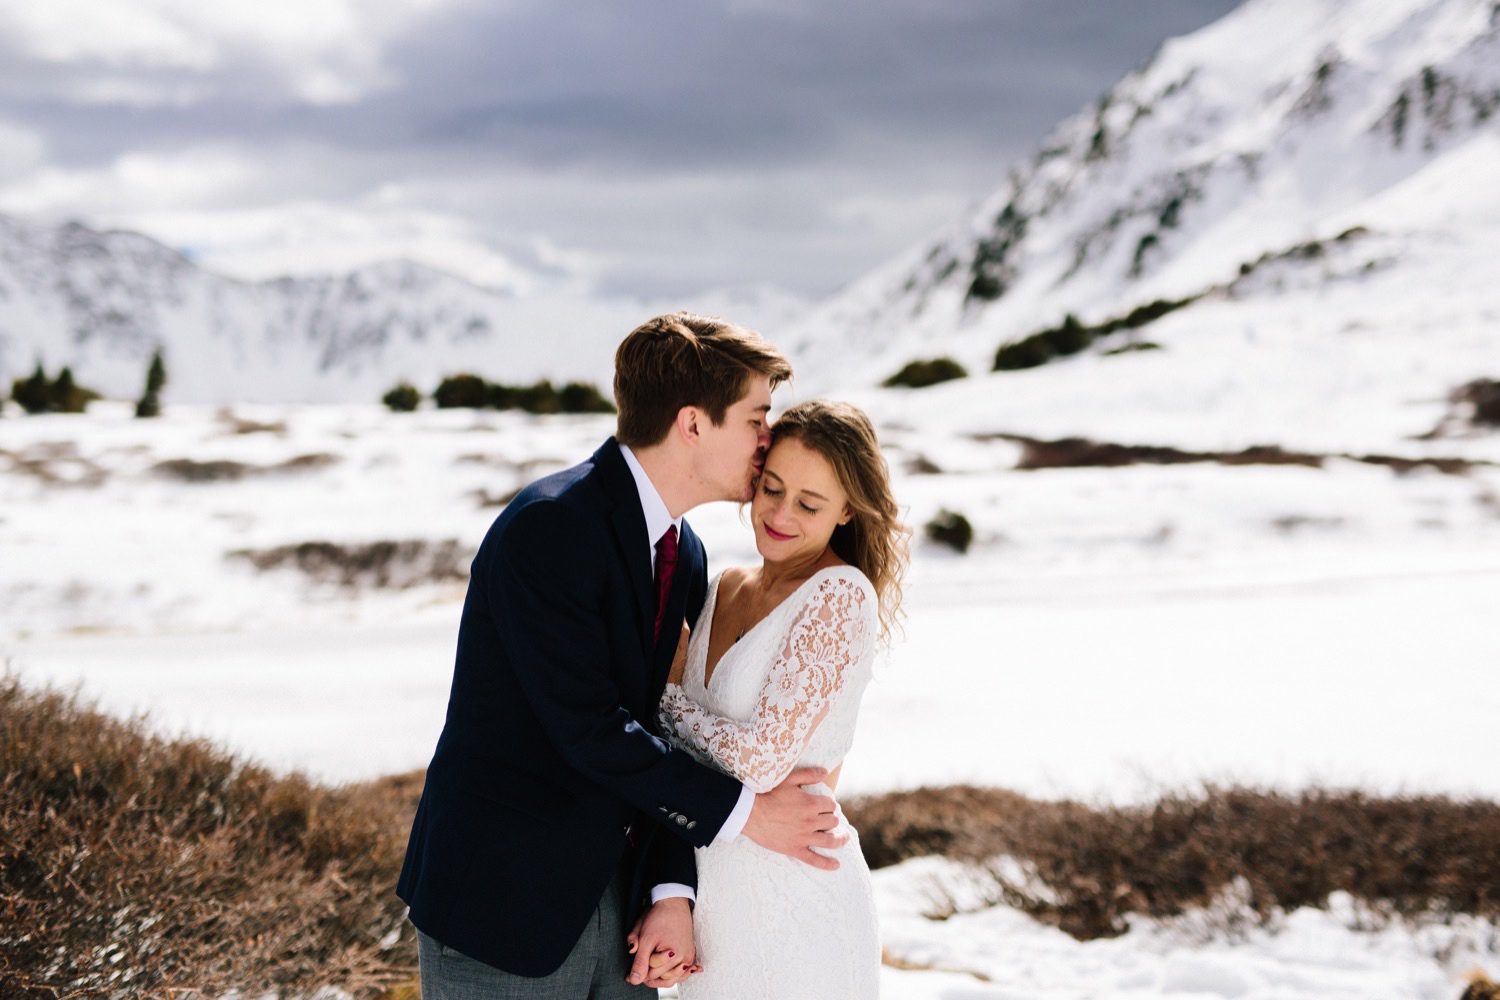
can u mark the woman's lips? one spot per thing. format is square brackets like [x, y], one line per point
[775, 535]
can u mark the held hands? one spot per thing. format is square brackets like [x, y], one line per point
[662, 943]
[791, 821]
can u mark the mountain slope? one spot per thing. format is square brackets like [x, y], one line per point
[1301, 170]
[103, 301]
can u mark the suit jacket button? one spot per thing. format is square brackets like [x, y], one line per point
[692, 823]
[681, 820]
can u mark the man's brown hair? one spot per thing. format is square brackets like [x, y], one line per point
[681, 360]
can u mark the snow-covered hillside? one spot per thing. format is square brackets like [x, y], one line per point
[1313, 178]
[103, 301]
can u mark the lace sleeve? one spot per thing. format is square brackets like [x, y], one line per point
[828, 640]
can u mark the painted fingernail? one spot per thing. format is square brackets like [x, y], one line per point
[671, 954]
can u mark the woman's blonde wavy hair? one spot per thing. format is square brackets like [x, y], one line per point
[875, 540]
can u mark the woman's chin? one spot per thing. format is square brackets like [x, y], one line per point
[768, 547]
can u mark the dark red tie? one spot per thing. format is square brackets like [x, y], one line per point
[666, 565]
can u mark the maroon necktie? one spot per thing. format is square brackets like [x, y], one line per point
[666, 565]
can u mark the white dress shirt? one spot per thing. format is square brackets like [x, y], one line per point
[658, 520]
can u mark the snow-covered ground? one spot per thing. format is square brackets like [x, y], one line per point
[1113, 632]
[997, 953]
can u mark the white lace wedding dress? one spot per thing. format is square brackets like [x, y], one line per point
[785, 695]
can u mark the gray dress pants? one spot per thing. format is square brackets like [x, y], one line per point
[594, 970]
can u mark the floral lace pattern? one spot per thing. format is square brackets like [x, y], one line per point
[829, 639]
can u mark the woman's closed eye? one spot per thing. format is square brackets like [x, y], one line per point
[772, 491]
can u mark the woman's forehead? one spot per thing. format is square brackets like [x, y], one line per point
[790, 459]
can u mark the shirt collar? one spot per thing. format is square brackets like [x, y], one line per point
[658, 518]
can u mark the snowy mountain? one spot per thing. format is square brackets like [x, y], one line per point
[103, 301]
[1304, 191]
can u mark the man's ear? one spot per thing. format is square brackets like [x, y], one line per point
[687, 423]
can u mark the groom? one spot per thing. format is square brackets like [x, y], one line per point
[553, 812]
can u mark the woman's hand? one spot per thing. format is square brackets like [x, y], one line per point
[679, 662]
[662, 943]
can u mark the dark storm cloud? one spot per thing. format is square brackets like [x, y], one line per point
[871, 100]
[671, 82]
[701, 85]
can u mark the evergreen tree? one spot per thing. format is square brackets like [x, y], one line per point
[31, 394]
[156, 377]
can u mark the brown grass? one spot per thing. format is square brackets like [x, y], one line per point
[132, 865]
[384, 564]
[55, 463]
[1088, 867]
[223, 470]
[1075, 453]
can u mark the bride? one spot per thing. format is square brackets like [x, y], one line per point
[770, 680]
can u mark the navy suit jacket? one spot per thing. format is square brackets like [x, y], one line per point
[549, 750]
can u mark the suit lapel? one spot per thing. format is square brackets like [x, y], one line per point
[629, 524]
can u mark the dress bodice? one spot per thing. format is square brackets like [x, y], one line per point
[786, 694]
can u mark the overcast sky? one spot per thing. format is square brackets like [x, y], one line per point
[646, 148]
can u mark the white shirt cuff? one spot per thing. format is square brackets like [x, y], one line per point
[737, 818]
[672, 890]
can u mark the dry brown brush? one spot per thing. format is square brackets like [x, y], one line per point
[132, 865]
[383, 564]
[1086, 868]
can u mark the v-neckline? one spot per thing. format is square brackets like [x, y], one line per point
[713, 610]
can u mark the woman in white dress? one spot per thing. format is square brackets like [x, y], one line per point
[770, 680]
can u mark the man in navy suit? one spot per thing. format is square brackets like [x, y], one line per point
[554, 813]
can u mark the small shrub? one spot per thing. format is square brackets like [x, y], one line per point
[1033, 352]
[920, 374]
[539, 397]
[1148, 313]
[404, 398]
[952, 529]
[1070, 337]
[463, 391]
[67, 396]
[1484, 396]
[501, 397]
[986, 287]
[38, 394]
[582, 397]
